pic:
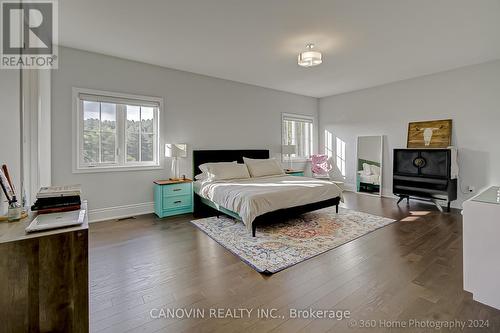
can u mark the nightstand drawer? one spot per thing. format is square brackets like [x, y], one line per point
[174, 202]
[173, 212]
[177, 189]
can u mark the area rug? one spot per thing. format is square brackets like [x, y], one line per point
[289, 242]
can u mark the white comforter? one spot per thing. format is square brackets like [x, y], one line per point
[257, 196]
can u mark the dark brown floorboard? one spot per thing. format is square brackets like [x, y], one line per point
[409, 270]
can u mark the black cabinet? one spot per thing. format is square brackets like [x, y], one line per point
[424, 173]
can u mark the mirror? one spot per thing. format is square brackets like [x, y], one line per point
[369, 165]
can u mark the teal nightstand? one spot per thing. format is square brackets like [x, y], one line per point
[295, 173]
[173, 197]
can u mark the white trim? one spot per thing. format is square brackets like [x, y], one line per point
[295, 116]
[350, 187]
[381, 188]
[119, 168]
[36, 131]
[118, 212]
[76, 130]
[44, 128]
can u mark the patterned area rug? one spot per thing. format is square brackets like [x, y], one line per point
[284, 244]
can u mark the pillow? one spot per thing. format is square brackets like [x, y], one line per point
[263, 167]
[204, 167]
[221, 171]
[201, 176]
[367, 170]
[375, 170]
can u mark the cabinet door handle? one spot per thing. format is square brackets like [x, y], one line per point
[178, 201]
[176, 189]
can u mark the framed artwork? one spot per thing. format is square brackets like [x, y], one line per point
[429, 134]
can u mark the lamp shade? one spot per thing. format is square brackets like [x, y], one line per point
[309, 58]
[289, 149]
[175, 150]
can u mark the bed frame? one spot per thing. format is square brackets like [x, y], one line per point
[205, 207]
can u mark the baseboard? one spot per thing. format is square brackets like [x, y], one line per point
[350, 187]
[118, 212]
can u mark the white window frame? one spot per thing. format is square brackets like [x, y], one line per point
[298, 117]
[122, 164]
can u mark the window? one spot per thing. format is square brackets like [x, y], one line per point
[115, 131]
[340, 154]
[329, 151]
[337, 151]
[298, 130]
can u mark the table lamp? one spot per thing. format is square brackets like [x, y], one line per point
[174, 151]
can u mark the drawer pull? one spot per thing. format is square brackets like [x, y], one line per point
[177, 189]
[178, 201]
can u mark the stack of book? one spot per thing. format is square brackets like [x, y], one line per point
[56, 199]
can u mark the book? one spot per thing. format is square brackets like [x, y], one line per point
[39, 207]
[59, 209]
[59, 191]
[57, 200]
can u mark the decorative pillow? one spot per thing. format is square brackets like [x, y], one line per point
[263, 167]
[367, 170]
[221, 171]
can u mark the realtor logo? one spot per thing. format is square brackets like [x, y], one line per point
[29, 34]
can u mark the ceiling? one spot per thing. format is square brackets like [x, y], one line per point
[364, 42]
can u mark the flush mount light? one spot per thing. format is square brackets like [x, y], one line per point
[309, 58]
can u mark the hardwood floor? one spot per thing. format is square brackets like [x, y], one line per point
[409, 270]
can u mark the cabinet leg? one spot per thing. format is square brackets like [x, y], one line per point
[436, 203]
[448, 206]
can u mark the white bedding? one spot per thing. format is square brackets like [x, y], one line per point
[256, 196]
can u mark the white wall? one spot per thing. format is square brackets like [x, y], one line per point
[470, 96]
[9, 128]
[205, 112]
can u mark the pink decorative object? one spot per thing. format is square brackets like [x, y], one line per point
[320, 165]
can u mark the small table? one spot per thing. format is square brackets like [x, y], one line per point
[173, 197]
[44, 277]
[295, 172]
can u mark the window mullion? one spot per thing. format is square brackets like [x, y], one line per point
[140, 134]
[120, 129]
[80, 132]
[156, 132]
[99, 136]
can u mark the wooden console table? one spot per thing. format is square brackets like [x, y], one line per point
[44, 278]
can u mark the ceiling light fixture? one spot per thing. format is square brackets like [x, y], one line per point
[309, 58]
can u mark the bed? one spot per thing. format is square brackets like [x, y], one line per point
[260, 200]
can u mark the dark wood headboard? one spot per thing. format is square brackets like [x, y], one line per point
[206, 156]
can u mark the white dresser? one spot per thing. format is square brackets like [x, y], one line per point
[481, 237]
